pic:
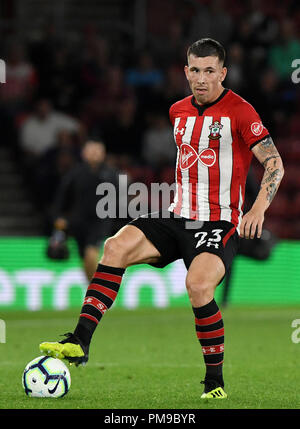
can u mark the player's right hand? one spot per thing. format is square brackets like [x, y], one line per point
[252, 224]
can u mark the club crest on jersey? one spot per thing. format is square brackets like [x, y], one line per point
[215, 130]
[188, 157]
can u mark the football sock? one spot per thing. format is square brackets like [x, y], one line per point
[100, 296]
[210, 332]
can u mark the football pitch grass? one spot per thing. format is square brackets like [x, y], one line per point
[151, 359]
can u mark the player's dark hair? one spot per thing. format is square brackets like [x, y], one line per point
[207, 48]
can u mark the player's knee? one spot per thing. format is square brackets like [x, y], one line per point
[115, 252]
[200, 289]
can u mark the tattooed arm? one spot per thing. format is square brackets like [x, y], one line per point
[268, 156]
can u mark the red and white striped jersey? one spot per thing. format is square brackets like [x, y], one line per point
[214, 143]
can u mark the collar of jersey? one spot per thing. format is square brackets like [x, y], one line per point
[202, 108]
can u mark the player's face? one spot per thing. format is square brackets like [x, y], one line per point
[205, 76]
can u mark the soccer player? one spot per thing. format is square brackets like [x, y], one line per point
[216, 133]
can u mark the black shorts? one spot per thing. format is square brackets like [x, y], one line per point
[91, 234]
[176, 237]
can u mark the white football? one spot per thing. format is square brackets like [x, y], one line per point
[46, 377]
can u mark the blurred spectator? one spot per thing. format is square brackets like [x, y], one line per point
[175, 87]
[145, 74]
[123, 132]
[144, 77]
[237, 72]
[243, 33]
[264, 26]
[146, 80]
[43, 47]
[94, 62]
[59, 81]
[21, 79]
[171, 48]
[52, 167]
[103, 104]
[44, 135]
[211, 20]
[158, 147]
[267, 99]
[16, 94]
[285, 50]
[40, 130]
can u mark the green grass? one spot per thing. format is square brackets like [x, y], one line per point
[151, 359]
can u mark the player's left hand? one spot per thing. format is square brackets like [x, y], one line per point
[252, 224]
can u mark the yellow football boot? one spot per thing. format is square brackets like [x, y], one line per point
[70, 348]
[213, 390]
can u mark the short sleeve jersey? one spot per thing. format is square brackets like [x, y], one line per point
[214, 143]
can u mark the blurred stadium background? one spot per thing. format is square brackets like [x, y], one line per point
[109, 70]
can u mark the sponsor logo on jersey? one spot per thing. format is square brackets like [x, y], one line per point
[215, 130]
[188, 157]
[257, 128]
[208, 157]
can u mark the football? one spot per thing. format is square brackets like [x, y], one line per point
[46, 377]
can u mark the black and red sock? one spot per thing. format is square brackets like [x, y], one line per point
[210, 332]
[100, 296]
